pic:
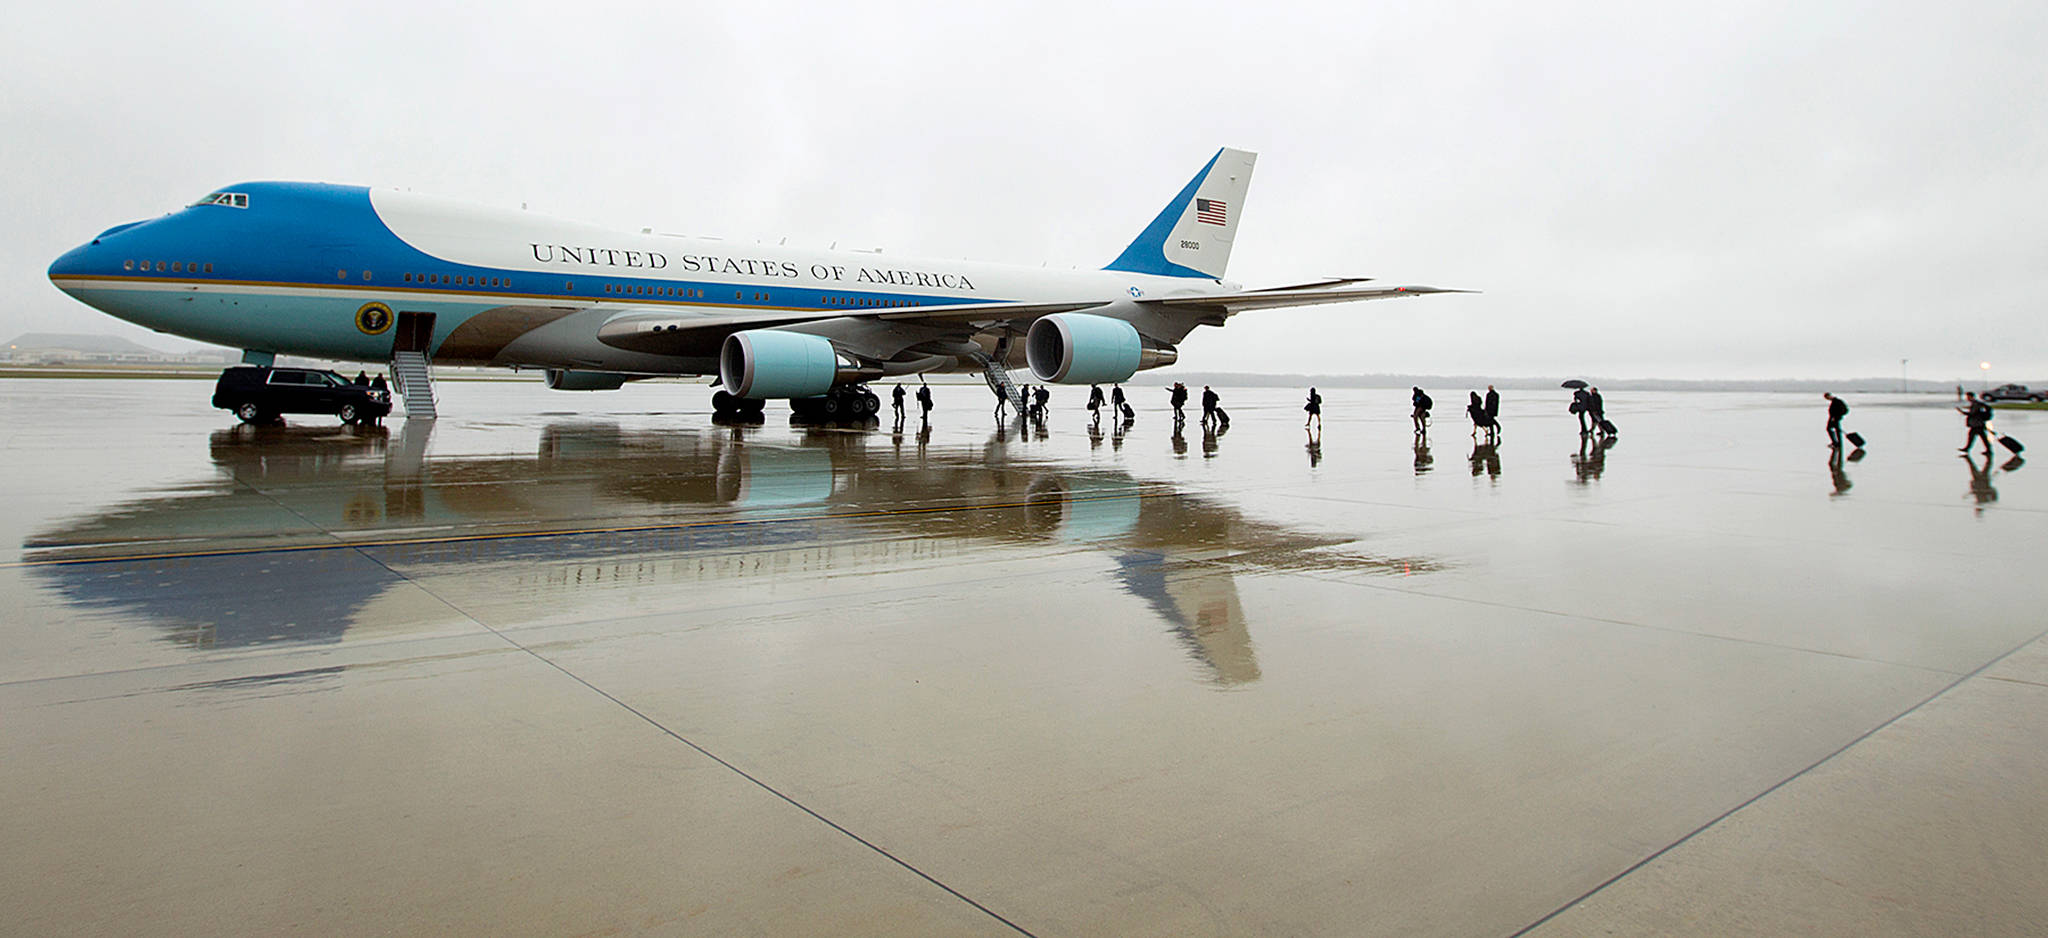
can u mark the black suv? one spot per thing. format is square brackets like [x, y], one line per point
[259, 395]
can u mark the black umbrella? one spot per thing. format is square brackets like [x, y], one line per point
[1574, 384]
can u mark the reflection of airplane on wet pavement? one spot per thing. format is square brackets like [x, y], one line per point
[356, 274]
[314, 521]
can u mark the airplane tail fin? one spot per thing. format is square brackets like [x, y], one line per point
[1192, 236]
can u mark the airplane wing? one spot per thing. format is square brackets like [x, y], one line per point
[691, 330]
[1231, 303]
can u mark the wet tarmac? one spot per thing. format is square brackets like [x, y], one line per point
[592, 664]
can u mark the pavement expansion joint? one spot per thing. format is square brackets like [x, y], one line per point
[1781, 783]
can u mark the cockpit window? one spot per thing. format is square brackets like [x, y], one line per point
[229, 199]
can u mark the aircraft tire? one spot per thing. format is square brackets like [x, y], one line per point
[722, 402]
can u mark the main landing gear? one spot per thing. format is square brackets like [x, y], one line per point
[725, 407]
[846, 402]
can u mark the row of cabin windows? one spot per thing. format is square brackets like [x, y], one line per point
[863, 302]
[175, 267]
[464, 281]
[741, 296]
[678, 292]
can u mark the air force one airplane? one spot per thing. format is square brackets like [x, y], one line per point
[374, 275]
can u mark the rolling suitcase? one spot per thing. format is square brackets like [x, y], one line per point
[1856, 440]
[2011, 444]
[1607, 427]
[1128, 412]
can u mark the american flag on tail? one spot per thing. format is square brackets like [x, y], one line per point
[1210, 212]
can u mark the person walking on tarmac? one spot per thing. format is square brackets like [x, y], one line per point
[1043, 397]
[1209, 402]
[924, 401]
[1095, 400]
[896, 398]
[1977, 416]
[1315, 410]
[1837, 409]
[1582, 406]
[1492, 410]
[1597, 406]
[1116, 398]
[1178, 397]
[1420, 415]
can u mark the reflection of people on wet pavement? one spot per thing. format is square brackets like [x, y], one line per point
[1486, 457]
[1977, 416]
[1838, 470]
[1591, 459]
[1211, 432]
[1180, 441]
[1315, 450]
[1315, 410]
[1980, 480]
[1837, 409]
[1422, 404]
[1422, 457]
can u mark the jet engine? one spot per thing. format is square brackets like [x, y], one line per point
[762, 363]
[1077, 348]
[561, 380]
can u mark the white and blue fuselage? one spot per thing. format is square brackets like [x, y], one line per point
[347, 272]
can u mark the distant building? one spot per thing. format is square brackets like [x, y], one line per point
[52, 348]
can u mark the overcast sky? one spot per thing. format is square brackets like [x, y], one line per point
[1733, 189]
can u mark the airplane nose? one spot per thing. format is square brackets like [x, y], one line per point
[72, 263]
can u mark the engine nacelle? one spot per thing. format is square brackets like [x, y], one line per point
[760, 363]
[1076, 348]
[561, 380]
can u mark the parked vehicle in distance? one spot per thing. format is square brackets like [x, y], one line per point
[2014, 392]
[259, 395]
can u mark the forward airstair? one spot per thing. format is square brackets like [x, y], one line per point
[414, 381]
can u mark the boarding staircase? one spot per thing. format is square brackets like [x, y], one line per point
[999, 376]
[414, 381]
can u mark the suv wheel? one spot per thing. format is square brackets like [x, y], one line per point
[249, 412]
[348, 413]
